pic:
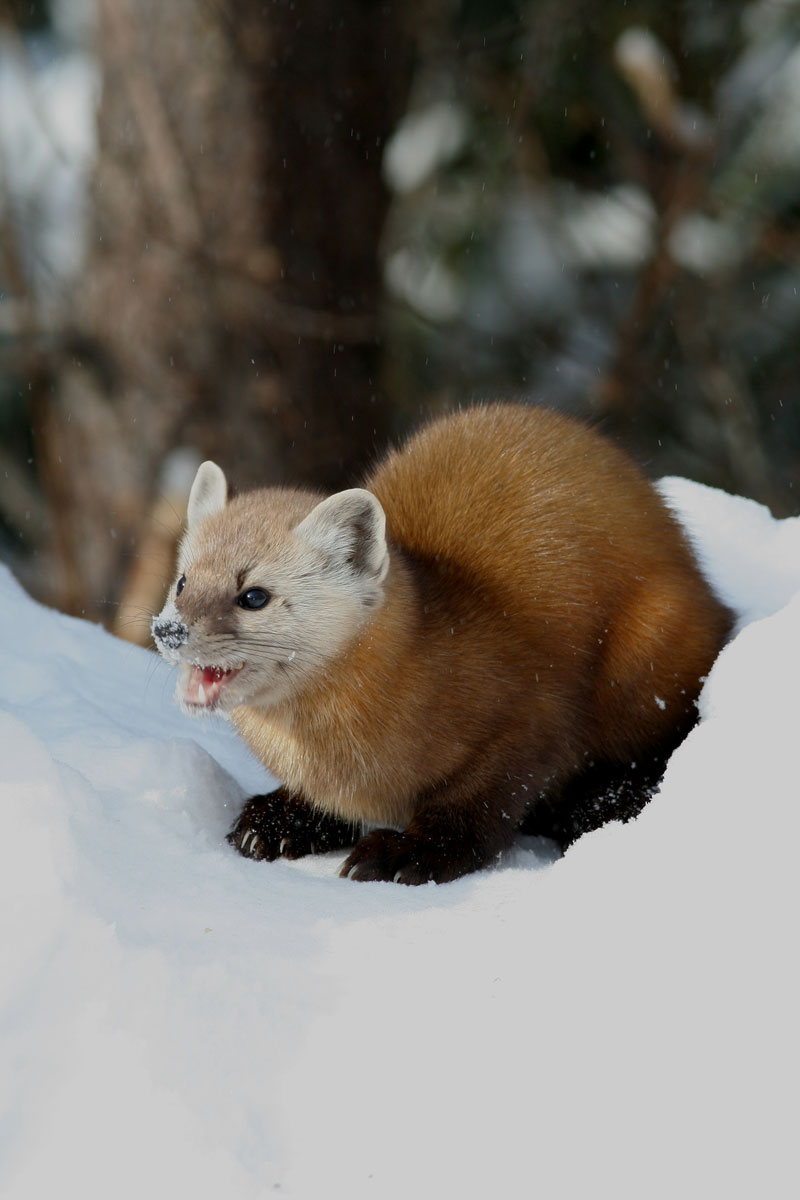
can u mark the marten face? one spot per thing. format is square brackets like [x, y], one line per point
[271, 587]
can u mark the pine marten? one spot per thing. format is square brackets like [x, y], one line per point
[503, 628]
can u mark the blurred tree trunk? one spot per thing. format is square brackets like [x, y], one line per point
[230, 299]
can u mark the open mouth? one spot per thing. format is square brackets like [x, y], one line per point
[201, 687]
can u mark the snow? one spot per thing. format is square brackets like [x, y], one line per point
[614, 229]
[177, 1020]
[423, 141]
[48, 99]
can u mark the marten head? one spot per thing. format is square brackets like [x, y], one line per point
[271, 586]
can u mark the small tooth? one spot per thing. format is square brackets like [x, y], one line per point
[201, 694]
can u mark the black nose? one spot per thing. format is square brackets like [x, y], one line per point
[170, 634]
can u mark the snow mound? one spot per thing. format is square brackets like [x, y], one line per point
[177, 1020]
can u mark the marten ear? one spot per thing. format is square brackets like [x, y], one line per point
[208, 495]
[351, 528]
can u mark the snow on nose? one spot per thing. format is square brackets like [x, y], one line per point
[169, 634]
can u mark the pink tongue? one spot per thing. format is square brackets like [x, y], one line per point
[210, 679]
[212, 674]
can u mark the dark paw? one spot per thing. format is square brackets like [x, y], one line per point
[283, 826]
[408, 858]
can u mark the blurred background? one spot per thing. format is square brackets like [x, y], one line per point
[280, 234]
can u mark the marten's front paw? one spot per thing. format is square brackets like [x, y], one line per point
[409, 858]
[263, 827]
[279, 825]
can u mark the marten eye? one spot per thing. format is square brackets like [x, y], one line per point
[253, 598]
[180, 586]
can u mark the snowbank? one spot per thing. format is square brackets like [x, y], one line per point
[179, 1021]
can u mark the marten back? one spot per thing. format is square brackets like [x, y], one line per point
[561, 534]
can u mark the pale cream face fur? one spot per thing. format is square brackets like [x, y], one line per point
[321, 564]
